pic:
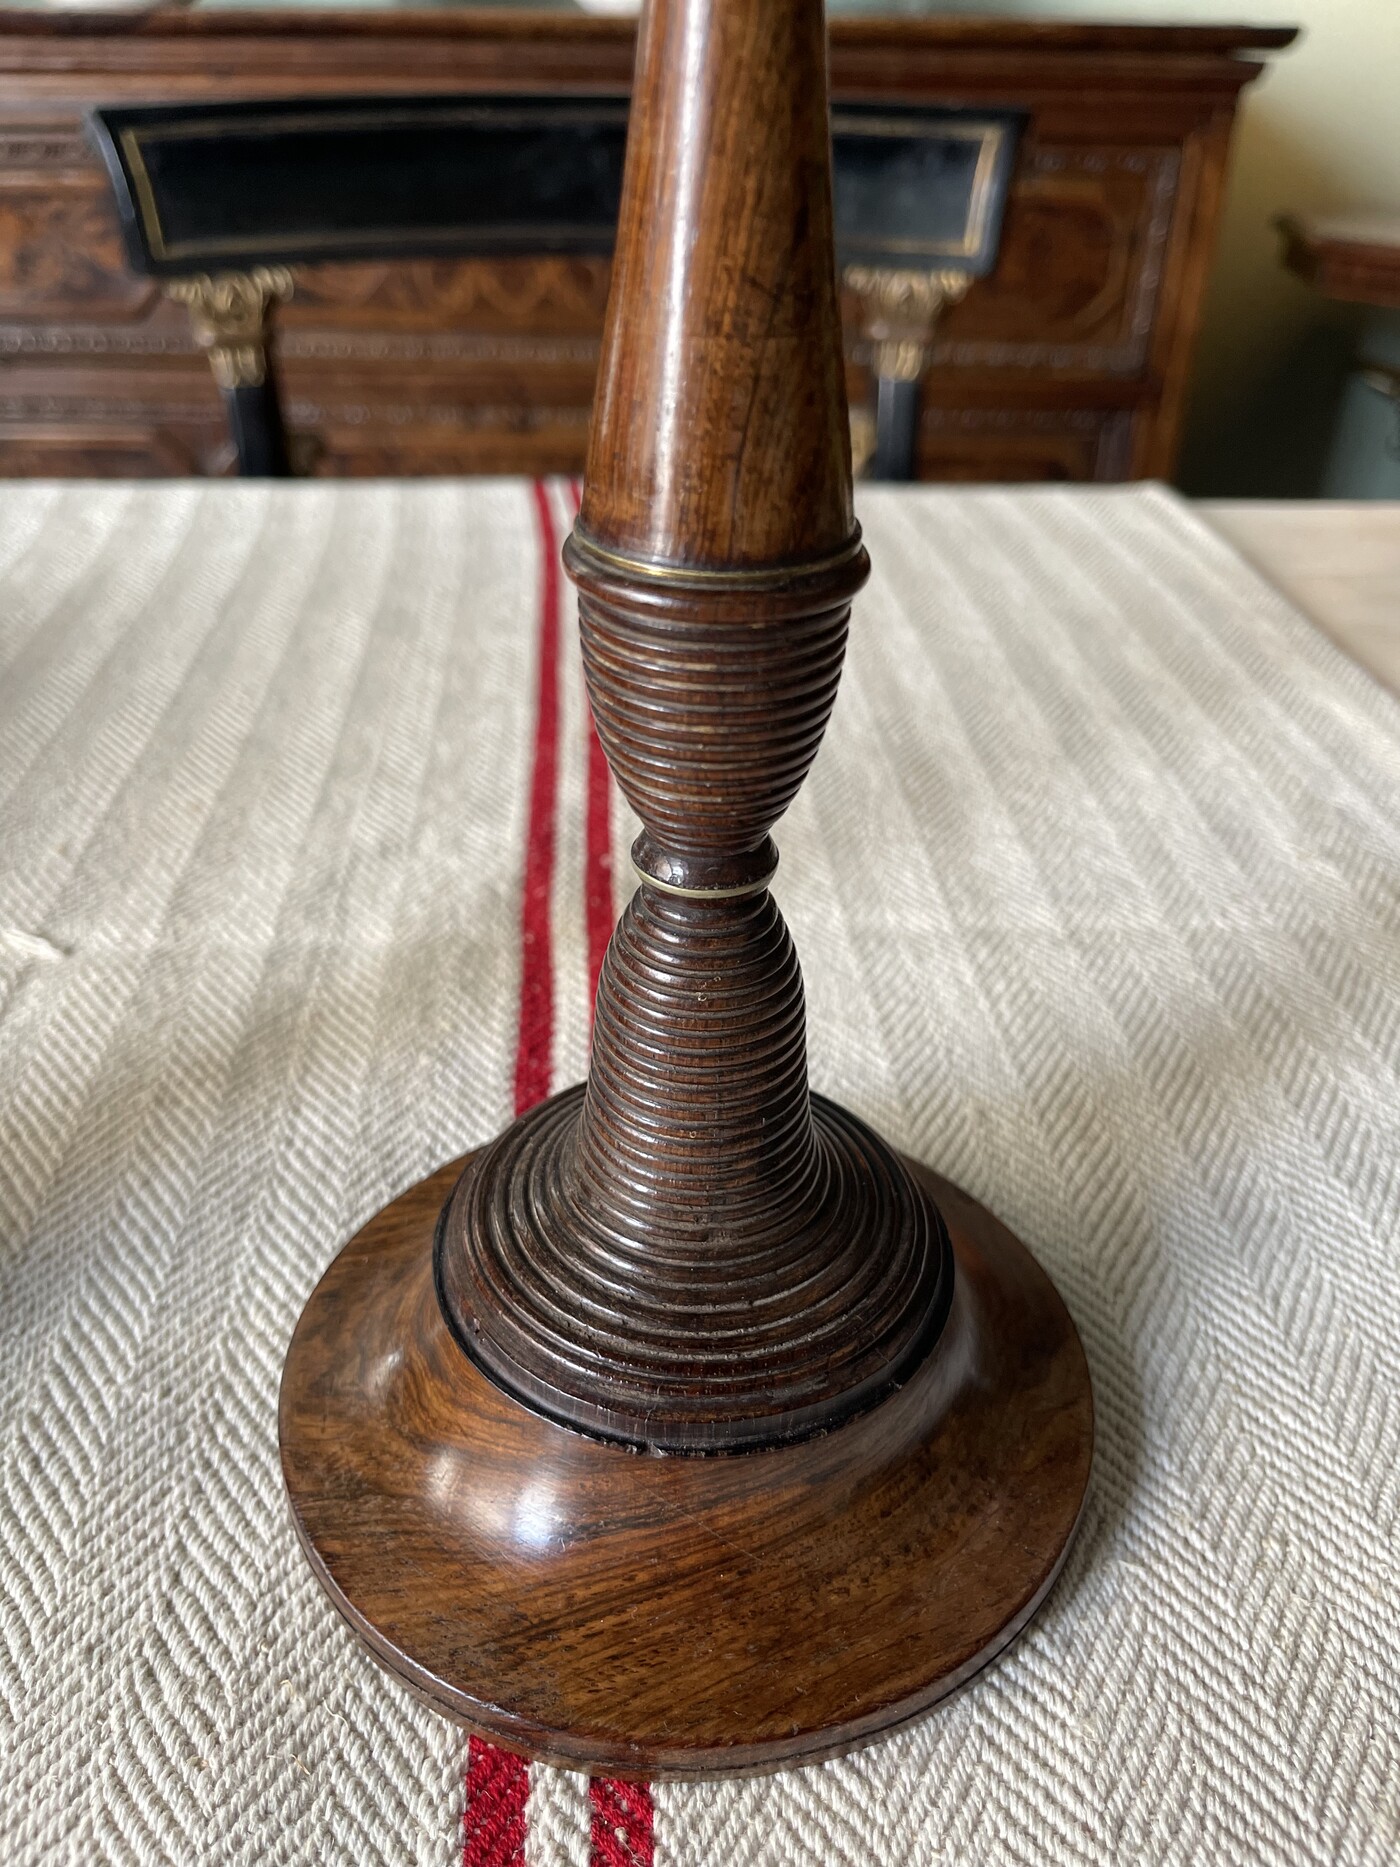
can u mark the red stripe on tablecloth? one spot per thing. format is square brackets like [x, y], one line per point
[536, 1030]
[497, 1782]
[599, 916]
[622, 1824]
[493, 1822]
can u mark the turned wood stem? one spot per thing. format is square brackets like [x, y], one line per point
[693, 1257]
[692, 1253]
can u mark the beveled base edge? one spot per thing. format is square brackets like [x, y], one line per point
[634, 1615]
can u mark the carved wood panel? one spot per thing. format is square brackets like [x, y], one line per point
[75, 416]
[61, 256]
[982, 444]
[538, 450]
[547, 294]
[1076, 282]
[90, 450]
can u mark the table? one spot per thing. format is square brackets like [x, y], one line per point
[1339, 561]
[1355, 260]
[272, 760]
[1351, 257]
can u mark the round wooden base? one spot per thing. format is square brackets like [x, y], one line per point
[632, 1614]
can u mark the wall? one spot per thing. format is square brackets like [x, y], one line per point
[1319, 132]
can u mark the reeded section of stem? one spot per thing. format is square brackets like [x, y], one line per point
[692, 1254]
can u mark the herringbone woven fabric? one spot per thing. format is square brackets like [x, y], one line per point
[1097, 888]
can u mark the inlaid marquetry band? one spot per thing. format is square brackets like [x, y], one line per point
[735, 891]
[726, 875]
[583, 554]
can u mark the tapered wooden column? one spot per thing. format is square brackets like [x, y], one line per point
[876, 1412]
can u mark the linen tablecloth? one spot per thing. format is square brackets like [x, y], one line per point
[308, 859]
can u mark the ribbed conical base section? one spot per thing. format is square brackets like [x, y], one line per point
[693, 1254]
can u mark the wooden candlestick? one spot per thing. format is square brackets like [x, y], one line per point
[879, 1422]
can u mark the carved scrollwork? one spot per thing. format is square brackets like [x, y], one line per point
[525, 291]
[228, 315]
[900, 309]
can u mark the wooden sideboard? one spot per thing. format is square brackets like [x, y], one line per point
[1070, 362]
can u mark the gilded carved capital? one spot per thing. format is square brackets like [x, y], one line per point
[900, 309]
[228, 314]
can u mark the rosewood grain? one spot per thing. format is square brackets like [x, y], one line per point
[681, 1617]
